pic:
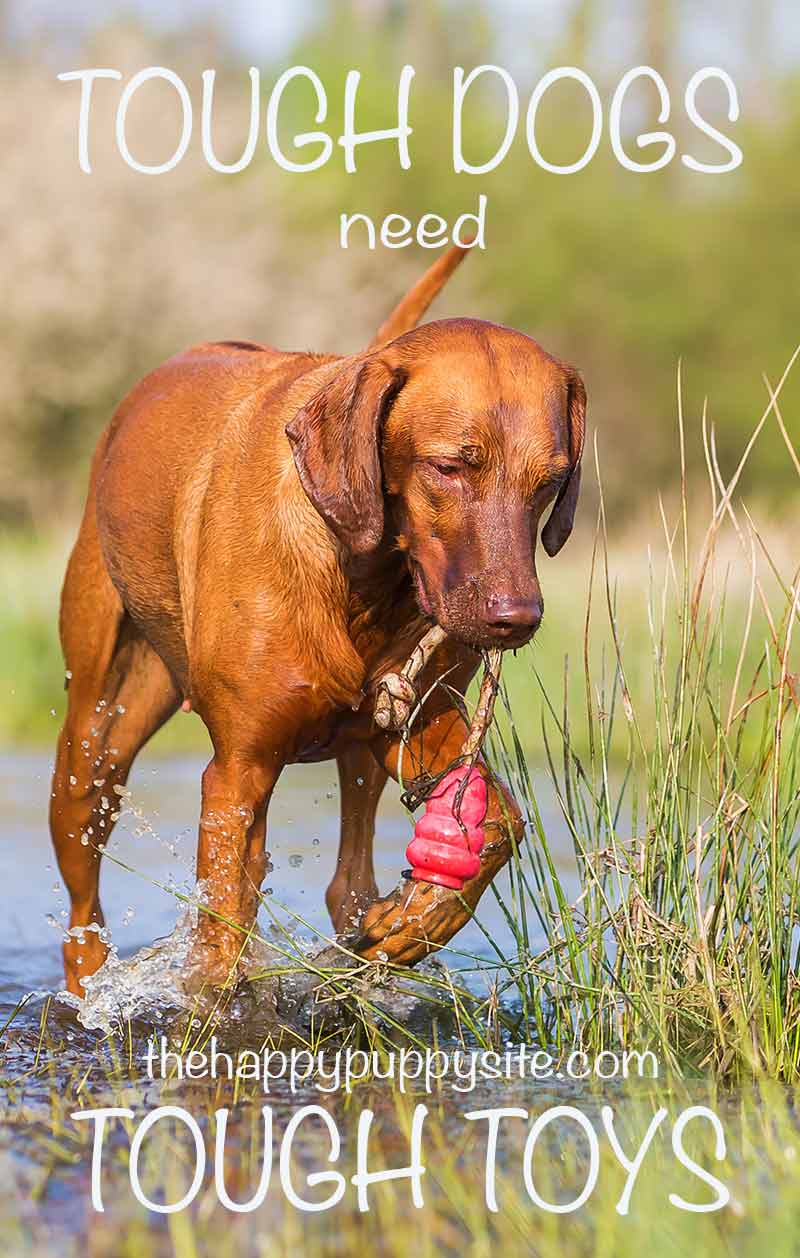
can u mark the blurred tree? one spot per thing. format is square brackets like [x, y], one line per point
[581, 30]
[659, 34]
[758, 36]
[102, 277]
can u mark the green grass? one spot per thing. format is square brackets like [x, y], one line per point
[31, 669]
[759, 1167]
[684, 935]
[32, 697]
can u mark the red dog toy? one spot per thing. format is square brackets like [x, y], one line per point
[447, 840]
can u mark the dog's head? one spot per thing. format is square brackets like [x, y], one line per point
[451, 443]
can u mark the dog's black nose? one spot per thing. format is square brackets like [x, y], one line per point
[507, 616]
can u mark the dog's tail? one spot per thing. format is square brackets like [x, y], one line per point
[408, 312]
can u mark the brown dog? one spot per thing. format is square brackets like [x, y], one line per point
[266, 534]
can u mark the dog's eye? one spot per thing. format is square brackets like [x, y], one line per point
[445, 467]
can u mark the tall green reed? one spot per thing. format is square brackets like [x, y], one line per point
[684, 935]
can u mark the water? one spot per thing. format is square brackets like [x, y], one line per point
[48, 1075]
[156, 838]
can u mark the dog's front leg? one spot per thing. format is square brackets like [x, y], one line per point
[231, 861]
[418, 917]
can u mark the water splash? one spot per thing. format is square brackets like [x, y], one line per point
[157, 983]
[152, 983]
[290, 980]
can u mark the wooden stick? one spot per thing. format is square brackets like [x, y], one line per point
[395, 696]
[484, 709]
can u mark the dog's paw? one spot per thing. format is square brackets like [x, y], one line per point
[415, 919]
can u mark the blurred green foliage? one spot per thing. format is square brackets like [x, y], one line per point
[623, 274]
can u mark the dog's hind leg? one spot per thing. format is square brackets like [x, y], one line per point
[119, 693]
[361, 783]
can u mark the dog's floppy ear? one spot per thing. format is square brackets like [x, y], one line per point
[561, 518]
[336, 439]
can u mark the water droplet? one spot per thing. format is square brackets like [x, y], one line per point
[295, 860]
